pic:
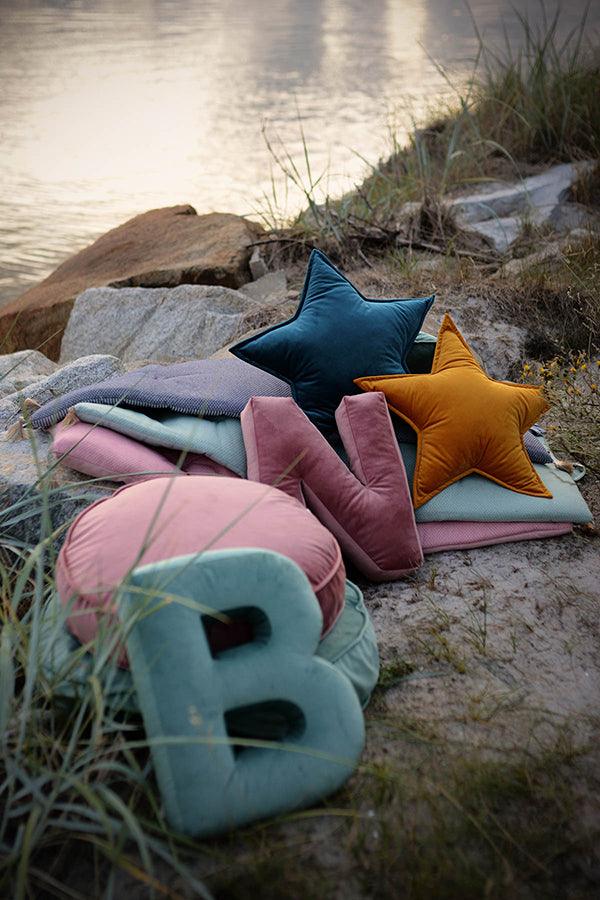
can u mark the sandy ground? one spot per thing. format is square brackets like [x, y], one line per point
[502, 640]
[487, 654]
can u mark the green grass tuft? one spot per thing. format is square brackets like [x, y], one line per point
[393, 672]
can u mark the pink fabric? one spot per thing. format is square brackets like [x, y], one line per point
[438, 536]
[200, 464]
[103, 453]
[368, 509]
[163, 517]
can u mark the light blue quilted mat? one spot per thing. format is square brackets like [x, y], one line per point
[477, 499]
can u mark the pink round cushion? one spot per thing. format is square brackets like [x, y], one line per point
[169, 516]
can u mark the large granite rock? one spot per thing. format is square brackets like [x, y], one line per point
[163, 247]
[18, 370]
[498, 212]
[551, 254]
[499, 346]
[273, 303]
[570, 217]
[78, 373]
[155, 324]
[33, 503]
[268, 290]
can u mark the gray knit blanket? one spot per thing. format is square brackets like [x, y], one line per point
[209, 387]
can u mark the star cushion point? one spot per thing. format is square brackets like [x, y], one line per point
[465, 421]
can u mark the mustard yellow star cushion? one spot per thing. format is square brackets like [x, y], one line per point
[465, 421]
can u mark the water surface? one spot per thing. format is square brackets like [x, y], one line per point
[110, 108]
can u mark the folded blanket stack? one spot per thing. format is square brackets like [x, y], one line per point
[461, 441]
[149, 437]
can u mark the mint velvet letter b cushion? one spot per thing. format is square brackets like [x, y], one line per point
[335, 336]
[213, 778]
[350, 647]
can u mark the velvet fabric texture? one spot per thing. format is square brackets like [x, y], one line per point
[419, 359]
[350, 646]
[128, 445]
[465, 421]
[187, 695]
[335, 335]
[165, 517]
[367, 507]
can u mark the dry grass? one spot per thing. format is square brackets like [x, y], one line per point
[472, 828]
[586, 189]
[572, 386]
[425, 816]
[558, 300]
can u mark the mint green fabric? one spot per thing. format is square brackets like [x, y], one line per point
[219, 438]
[185, 694]
[67, 665]
[350, 646]
[477, 499]
[473, 498]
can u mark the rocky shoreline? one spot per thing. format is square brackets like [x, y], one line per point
[171, 285]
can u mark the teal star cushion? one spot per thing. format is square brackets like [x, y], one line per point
[335, 336]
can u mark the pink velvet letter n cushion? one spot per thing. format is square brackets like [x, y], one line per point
[368, 509]
[166, 517]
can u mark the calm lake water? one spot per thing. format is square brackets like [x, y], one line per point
[109, 108]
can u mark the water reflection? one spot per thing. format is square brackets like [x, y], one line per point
[110, 108]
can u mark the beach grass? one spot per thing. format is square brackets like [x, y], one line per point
[81, 814]
[516, 112]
